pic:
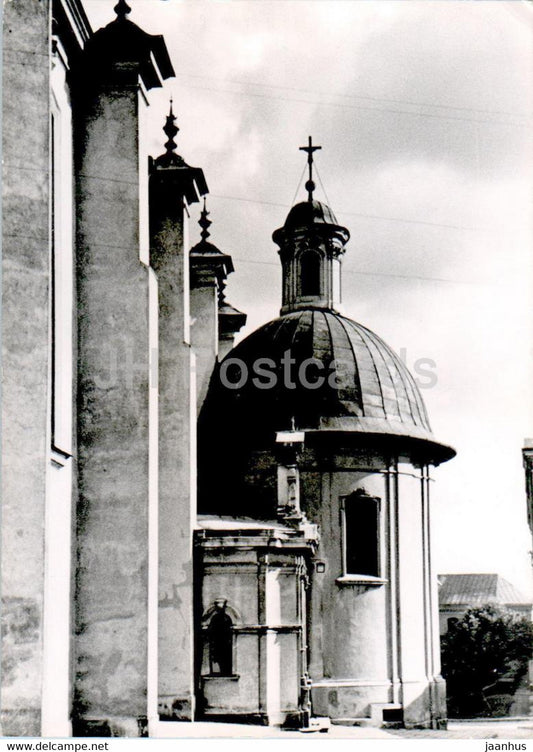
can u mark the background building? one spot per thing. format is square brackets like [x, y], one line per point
[459, 592]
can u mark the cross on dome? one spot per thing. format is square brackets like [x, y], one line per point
[310, 149]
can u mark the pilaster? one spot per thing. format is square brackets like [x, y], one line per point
[392, 574]
[209, 270]
[230, 321]
[120, 63]
[174, 185]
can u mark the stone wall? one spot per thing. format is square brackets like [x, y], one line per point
[25, 370]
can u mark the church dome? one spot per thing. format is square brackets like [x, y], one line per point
[354, 383]
[313, 368]
[310, 212]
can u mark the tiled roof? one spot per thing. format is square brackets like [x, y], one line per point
[477, 589]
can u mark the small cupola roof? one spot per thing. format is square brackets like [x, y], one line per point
[311, 243]
[310, 215]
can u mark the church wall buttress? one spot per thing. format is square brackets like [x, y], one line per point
[113, 369]
[176, 452]
[25, 364]
[204, 334]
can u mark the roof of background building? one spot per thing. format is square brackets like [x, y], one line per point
[478, 589]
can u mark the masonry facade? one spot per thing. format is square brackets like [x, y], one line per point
[174, 549]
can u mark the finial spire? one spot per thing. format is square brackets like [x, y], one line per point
[204, 223]
[171, 130]
[310, 185]
[122, 9]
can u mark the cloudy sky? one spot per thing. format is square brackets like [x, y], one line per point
[423, 110]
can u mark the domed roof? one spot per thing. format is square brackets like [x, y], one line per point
[364, 387]
[310, 212]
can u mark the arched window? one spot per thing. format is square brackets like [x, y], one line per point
[310, 273]
[361, 535]
[220, 639]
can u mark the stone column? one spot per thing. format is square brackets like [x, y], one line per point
[174, 185]
[113, 371]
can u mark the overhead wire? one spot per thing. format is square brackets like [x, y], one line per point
[377, 217]
[299, 184]
[340, 105]
[350, 272]
[386, 100]
[358, 214]
[321, 184]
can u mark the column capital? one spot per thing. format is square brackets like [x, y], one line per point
[209, 266]
[121, 52]
[173, 183]
[230, 320]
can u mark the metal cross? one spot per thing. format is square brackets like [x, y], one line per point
[310, 186]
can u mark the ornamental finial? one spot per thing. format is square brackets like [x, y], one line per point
[310, 185]
[204, 223]
[122, 9]
[171, 130]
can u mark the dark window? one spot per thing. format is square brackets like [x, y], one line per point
[361, 535]
[310, 272]
[220, 638]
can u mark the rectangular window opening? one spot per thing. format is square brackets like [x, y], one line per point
[361, 535]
